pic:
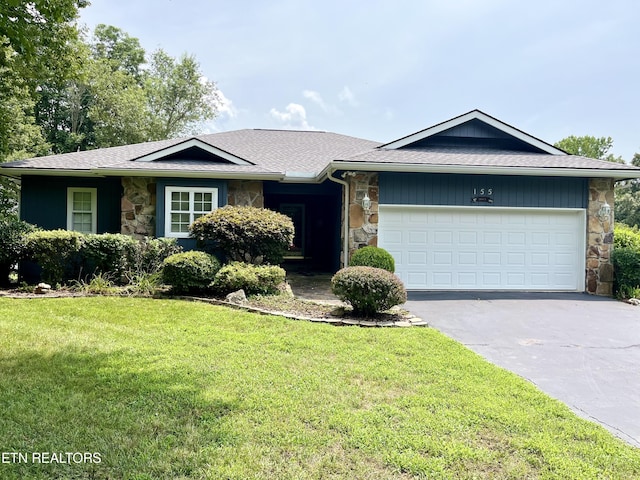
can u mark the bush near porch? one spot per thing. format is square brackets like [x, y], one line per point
[626, 261]
[246, 234]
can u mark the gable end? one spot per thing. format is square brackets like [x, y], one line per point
[474, 129]
[193, 149]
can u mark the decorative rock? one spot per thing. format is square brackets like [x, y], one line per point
[337, 312]
[633, 301]
[285, 289]
[237, 298]
[42, 288]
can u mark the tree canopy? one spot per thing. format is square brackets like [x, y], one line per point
[589, 146]
[627, 204]
[120, 96]
[62, 90]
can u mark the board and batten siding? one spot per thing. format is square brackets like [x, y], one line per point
[43, 201]
[505, 191]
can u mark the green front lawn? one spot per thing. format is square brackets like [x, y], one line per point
[173, 389]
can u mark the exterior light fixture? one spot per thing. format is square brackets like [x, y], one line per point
[605, 212]
[366, 203]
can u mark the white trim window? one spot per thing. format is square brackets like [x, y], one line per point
[183, 205]
[82, 209]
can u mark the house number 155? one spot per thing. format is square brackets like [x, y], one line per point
[483, 191]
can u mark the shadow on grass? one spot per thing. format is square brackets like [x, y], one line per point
[140, 420]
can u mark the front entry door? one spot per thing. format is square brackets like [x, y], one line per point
[296, 212]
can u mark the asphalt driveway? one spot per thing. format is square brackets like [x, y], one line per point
[580, 349]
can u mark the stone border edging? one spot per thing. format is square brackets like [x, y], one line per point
[337, 321]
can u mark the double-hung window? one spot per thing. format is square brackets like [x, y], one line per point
[183, 205]
[82, 209]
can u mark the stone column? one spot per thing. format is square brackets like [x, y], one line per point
[363, 226]
[138, 207]
[245, 193]
[600, 238]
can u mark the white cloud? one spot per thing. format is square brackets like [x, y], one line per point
[294, 117]
[316, 98]
[347, 96]
[225, 106]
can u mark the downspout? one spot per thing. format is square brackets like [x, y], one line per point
[345, 202]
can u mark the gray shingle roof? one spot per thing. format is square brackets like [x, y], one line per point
[482, 158]
[270, 152]
[302, 154]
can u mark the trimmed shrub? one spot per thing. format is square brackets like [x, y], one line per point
[57, 252]
[189, 271]
[626, 236]
[108, 253]
[368, 289]
[149, 253]
[246, 234]
[626, 265]
[253, 279]
[13, 245]
[373, 257]
[626, 261]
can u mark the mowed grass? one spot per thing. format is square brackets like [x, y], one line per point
[172, 389]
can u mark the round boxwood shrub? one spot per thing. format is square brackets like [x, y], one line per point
[189, 271]
[253, 279]
[246, 234]
[373, 257]
[368, 289]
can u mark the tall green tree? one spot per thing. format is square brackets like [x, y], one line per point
[179, 97]
[589, 146]
[117, 98]
[118, 49]
[33, 49]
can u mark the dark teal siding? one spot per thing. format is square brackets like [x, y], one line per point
[161, 183]
[507, 191]
[43, 201]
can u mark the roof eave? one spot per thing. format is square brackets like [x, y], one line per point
[188, 174]
[486, 170]
[17, 172]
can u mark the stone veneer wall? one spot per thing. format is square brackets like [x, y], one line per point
[138, 207]
[245, 193]
[599, 238]
[363, 226]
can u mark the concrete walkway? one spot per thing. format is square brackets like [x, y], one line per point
[580, 349]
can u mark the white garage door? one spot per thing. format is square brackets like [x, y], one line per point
[485, 248]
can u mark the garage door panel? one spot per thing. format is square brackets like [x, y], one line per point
[443, 258]
[516, 259]
[490, 259]
[492, 279]
[540, 260]
[417, 237]
[467, 258]
[417, 257]
[468, 238]
[516, 239]
[442, 238]
[467, 249]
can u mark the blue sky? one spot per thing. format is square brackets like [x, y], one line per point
[383, 69]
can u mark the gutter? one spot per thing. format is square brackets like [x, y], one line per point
[184, 174]
[487, 170]
[345, 202]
